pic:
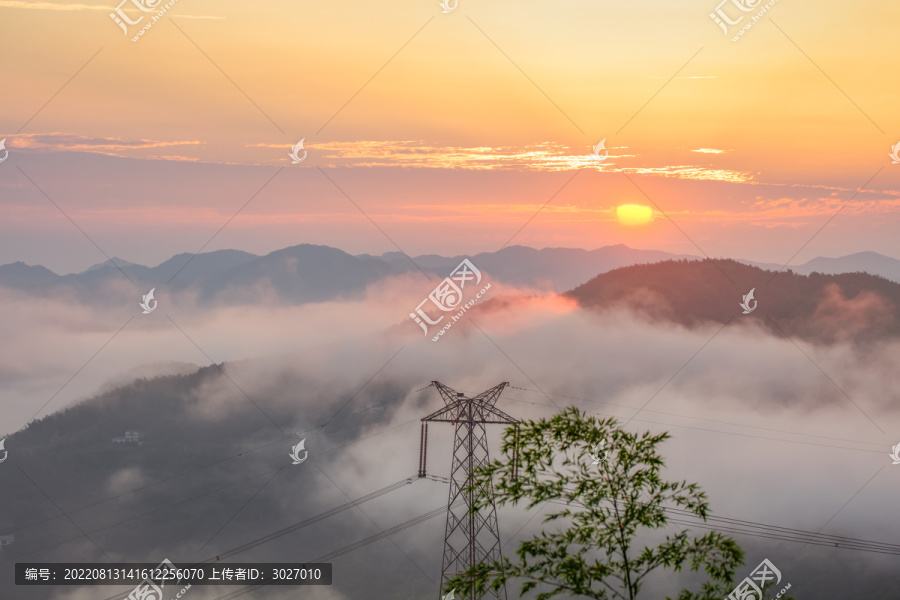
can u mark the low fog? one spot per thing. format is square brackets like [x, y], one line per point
[775, 431]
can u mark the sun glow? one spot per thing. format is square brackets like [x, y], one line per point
[634, 214]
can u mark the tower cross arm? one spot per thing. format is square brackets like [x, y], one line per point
[448, 394]
[482, 414]
[490, 397]
[495, 415]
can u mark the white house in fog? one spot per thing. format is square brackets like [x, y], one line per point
[131, 437]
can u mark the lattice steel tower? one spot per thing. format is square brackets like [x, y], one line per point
[470, 538]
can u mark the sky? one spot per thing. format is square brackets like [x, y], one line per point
[450, 133]
[462, 132]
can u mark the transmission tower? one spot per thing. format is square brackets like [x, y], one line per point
[470, 538]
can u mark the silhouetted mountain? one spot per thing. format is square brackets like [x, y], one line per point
[311, 273]
[186, 268]
[179, 272]
[22, 276]
[304, 273]
[295, 275]
[556, 269]
[816, 307]
[861, 262]
[114, 262]
[185, 491]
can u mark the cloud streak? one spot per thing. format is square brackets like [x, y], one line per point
[109, 146]
[55, 6]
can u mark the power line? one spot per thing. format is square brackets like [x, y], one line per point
[842, 542]
[380, 536]
[155, 510]
[724, 523]
[821, 540]
[377, 526]
[351, 547]
[660, 412]
[351, 415]
[727, 521]
[810, 539]
[321, 516]
[56, 545]
[297, 526]
[786, 534]
[221, 461]
[879, 451]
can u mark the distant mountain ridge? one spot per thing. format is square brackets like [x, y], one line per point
[557, 269]
[313, 273]
[863, 262]
[860, 262]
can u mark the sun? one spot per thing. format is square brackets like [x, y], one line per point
[634, 214]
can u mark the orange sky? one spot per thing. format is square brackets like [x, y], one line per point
[449, 131]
